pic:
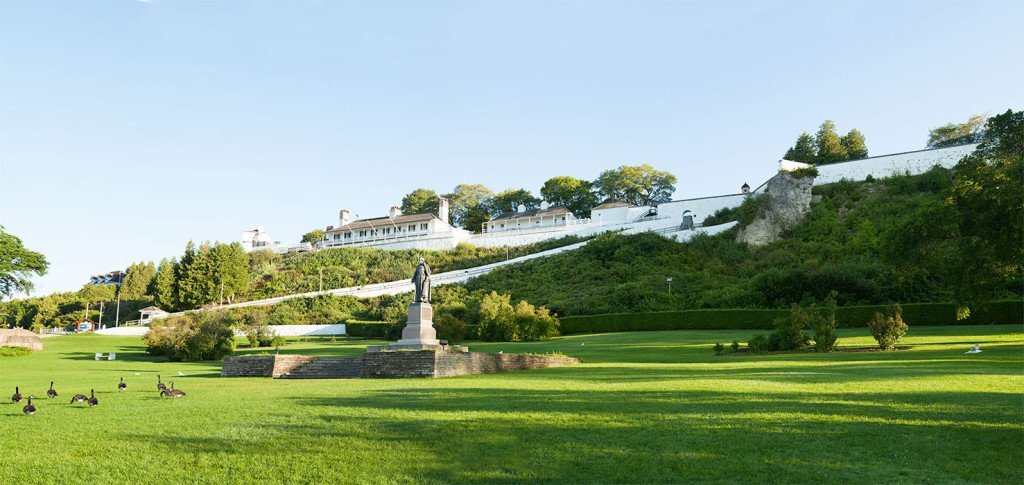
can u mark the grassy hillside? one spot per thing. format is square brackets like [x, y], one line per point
[275, 275]
[647, 407]
[851, 242]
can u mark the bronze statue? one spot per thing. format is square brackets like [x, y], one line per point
[421, 280]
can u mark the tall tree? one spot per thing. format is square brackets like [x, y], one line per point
[192, 272]
[576, 195]
[804, 151]
[138, 280]
[163, 286]
[18, 265]
[638, 184]
[509, 200]
[953, 134]
[313, 236]
[468, 204]
[230, 270]
[830, 146]
[420, 200]
[855, 146]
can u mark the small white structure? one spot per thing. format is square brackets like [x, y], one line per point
[148, 314]
[108, 278]
[257, 238]
[544, 217]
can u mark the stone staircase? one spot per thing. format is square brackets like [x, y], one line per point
[327, 368]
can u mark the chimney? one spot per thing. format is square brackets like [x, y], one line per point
[544, 205]
[442, 209]
[395, 211]
[745, 188]
[521, 208]
[342, 217]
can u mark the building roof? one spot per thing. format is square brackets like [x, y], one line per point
[151, 309]
[382, 222]
[611, 204]
[550, 211]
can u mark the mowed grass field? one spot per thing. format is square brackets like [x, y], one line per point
[644, 407]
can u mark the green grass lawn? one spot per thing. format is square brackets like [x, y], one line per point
[644, 407]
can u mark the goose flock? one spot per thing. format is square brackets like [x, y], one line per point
[51, 393]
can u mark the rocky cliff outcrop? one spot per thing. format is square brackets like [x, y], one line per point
[789, 201]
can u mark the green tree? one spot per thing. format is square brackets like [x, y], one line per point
[18, 265]
[468, 203]
[576, 195]
[137, 281]
[195, 288]
[953, 134]
[804, 151]
[230, 270]
[420, 200]
[163, 286]
[855, 146]
[636, 184]
[829, 146]
[509, 200]
[313, 236]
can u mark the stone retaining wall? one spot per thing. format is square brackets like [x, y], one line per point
[429, 363]
[262, 365]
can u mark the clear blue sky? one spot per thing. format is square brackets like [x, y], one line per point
[128, 128]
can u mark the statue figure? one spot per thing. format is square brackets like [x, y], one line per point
[421, 279]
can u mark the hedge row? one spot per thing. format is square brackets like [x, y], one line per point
[374, 330]
[1005, 311]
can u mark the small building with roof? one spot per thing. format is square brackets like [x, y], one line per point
[540, 218]
[423, 230]
[148, 314]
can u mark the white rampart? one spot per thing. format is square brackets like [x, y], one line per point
[896, 164]
[281, 330]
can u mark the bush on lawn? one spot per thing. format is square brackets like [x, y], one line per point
[501, 322]
[789, 332]
[14, 351]
[374, 330]
[191, 337]
[257, 330]
[719, 348]
[758, 344]
[449, 327]
[888, 328]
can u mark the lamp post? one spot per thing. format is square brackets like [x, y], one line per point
[669, 280]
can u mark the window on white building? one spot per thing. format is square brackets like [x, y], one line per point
[423, 227]
[337, 236]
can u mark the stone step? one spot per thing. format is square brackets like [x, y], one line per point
[327, 368]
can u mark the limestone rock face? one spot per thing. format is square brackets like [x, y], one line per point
[789, 201]
[19, 337]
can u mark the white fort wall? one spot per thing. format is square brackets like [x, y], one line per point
[888, 165]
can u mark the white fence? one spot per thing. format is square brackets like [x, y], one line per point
[282, 330]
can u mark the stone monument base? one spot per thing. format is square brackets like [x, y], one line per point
[419, 329]
[398, 347]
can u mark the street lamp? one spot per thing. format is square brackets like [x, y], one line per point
[669, 280]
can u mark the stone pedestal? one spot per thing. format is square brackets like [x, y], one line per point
[419, 330]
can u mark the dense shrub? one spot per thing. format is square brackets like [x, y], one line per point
[501, 322]
[14, 351]
[449, 327]
[758, 344]
[888, 328]
[191, 337]
[824, 325]
[735, 346]
[374, 330]
[789, 332]
[719, 348]
[257, 331]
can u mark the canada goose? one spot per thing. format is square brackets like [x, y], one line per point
[17, 395]
[122, 386]
[160, 386]
[50, 393]
[78, 398]
[172, 392]
[29, 409]
[92, 400]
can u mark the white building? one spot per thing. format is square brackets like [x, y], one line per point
[396, 231]
[543, 218]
